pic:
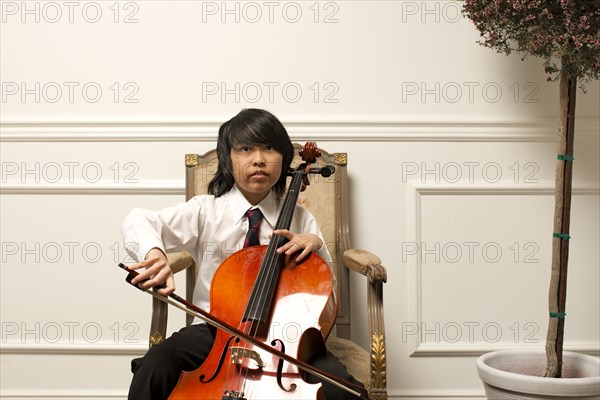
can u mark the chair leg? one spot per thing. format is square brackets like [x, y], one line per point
[158, 326]
[376, 395]
[378, 358]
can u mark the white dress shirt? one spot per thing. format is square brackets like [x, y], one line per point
[210, 228]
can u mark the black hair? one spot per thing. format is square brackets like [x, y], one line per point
[252, 126]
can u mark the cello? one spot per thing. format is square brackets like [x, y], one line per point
[266, 309]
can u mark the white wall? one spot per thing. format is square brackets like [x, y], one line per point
[451, 151]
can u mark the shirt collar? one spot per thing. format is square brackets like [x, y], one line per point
[239, 205]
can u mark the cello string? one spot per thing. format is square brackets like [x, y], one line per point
[263, 281]
[269, 266]
[269, 271]
[272, 257]
[268, 274]
[266, 280]
[251, 326]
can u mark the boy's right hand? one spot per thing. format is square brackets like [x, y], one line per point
[157, 271]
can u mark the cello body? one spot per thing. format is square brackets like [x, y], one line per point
[302, 315]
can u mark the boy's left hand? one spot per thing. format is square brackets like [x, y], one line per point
[305, 243]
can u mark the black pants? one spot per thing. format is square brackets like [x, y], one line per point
[156, 374]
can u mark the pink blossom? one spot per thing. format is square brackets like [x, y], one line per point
[544, 28]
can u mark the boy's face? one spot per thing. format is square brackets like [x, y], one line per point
[256, 169]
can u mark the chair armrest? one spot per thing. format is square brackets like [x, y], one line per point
[158, 325]
[370, 266]
[365, 263]
[180, 261]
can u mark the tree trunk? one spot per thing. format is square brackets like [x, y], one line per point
[562, 210]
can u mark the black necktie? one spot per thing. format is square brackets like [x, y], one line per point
[254, 218]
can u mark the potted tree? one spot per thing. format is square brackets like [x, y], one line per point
[566, 35]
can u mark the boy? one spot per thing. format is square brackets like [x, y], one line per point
[254, 153]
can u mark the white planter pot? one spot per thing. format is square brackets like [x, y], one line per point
[518, 374]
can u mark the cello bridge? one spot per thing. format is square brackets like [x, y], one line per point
[238, 354]
[233, 395]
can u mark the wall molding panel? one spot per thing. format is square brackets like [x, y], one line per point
[60, 394]
[415, 192]
[142, 188]
[121, 395]
[102, 395]
[87, 349]
[357, 129]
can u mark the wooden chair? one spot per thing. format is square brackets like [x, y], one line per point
[327, 199]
